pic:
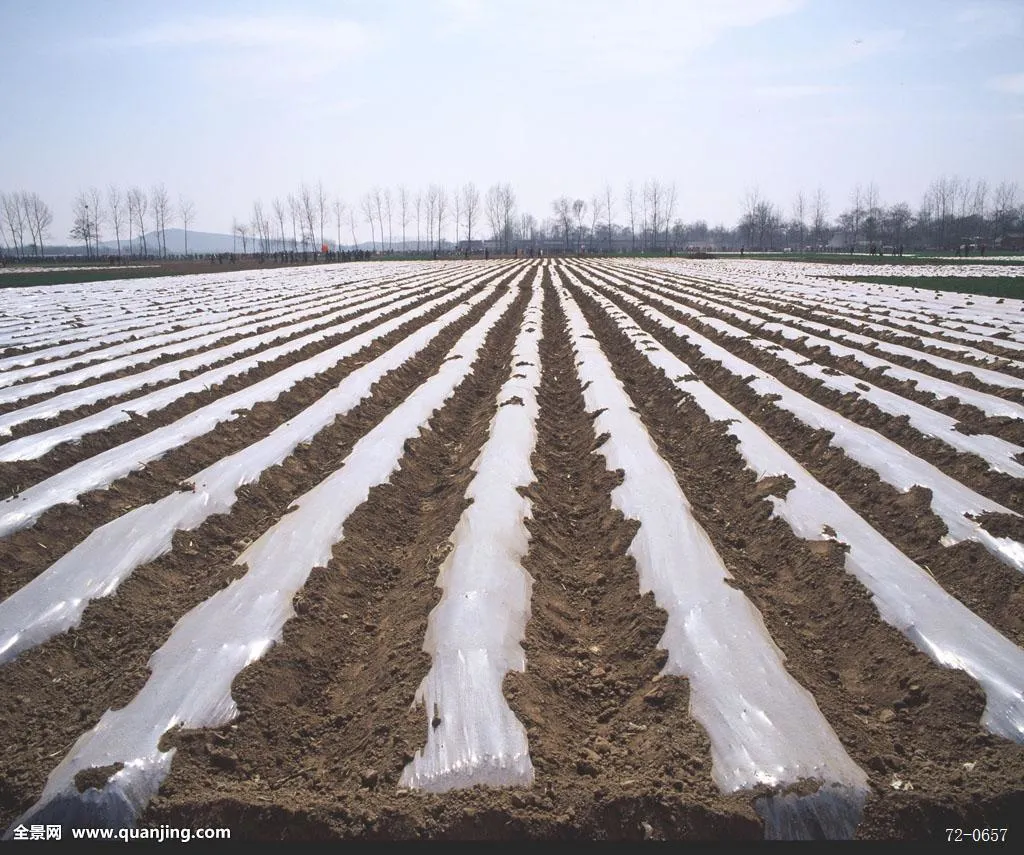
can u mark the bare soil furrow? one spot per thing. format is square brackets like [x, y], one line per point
[139, 367]
[1012, 430]
[901, 717]
[968, 469]
[328, 711]
[31, 550]
[922, 364]
[967, 570]
[19, 475]
[107, 653]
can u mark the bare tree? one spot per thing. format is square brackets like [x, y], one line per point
[279, 214]
[896, 220]
[404, 212]
[856, 210]
[562, 206]
[507, 198]
[579, 208]
[980, 199]
[470, 208]
[387, 213]
[871, 212]
[430, 205]
[652, 202]
[442, 213]
[1004, 207]
[295, 212]
[760, 219]
[943, 193]
[596, 207]
[187, 212]
[116, 212]
[419, 214]
[377, 199]
[492, 204]
[352, 225]
[609, 203]
[800, 216]
[819, 218]
[137, 208]
[668, 208]
[242, 230]
[161, 208]
[322, 209]
[528, 228]
[367, 205]
[14, 219]
[95, 200]
[308, 214]
[631, 208]
[339, 210]
[260, 227]
[81, 223]
[457, 205]
[39, 218]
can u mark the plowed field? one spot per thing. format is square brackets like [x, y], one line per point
[580, 549]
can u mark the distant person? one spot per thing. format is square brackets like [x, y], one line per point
[742, 250]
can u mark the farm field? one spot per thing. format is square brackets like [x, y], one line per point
[589, 548]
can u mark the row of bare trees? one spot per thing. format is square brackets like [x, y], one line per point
[424, 219]
[128, 213]
[641, 218]
[952, 211]
[308, 214]
[431, 212]
[23, 212]
[648, 209]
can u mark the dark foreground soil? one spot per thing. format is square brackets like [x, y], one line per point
[326, 722]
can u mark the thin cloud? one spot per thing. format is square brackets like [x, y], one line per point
[1010, 84]
[641, 38]
[275, 31]
[982, 22]
[254, 56]
[458, 16]
[794, 91]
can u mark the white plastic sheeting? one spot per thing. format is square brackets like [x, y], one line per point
[955, 504]
[793, 330]
[191, 674]
[35, 445]
[998, 313]
[54, 600]
[853, 301]
[895, 321]
[100, 470]
[474, 633]
[764, 727]
[292, 324]
[116, 357]
[906, 596]
[75, 313]
[1000, 455]
[51, 406]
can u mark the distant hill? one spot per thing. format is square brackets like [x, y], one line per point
[201, 242]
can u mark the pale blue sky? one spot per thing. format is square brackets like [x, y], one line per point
[229, 101]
